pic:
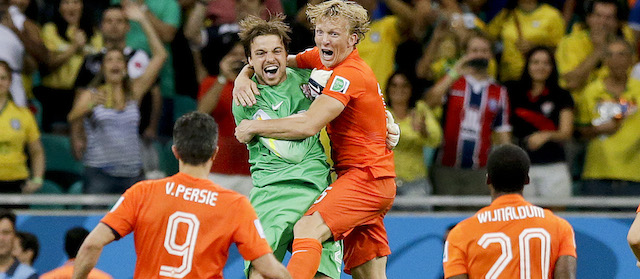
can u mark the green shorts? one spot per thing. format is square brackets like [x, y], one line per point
[279, 207]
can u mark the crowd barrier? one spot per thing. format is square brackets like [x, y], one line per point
[415, 239]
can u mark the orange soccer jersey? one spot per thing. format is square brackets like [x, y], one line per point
[358, 134]
[66, 272]
[183, 227]
[510, 238]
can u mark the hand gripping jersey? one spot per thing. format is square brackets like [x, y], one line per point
[183, 227]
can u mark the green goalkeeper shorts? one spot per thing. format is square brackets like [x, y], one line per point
[279, 207]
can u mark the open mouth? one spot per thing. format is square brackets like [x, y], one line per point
[271, 71]
[327, 54]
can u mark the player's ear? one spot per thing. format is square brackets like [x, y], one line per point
[353, 39]
[174, 150]
[526, 180]
[489, 179]
[250, 61]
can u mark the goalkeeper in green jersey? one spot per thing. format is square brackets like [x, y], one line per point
[287, 176]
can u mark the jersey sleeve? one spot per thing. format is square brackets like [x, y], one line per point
[454, 257]
[567, 239]
[249, 235]
[309, 59]
[345, 84]
[122, 217]
[33, 133]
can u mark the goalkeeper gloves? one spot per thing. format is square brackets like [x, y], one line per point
[393, 131]
[317, 81]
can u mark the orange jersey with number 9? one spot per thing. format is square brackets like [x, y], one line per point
[511, 238]
[183, 227]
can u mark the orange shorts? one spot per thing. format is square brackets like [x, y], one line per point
[353, 207]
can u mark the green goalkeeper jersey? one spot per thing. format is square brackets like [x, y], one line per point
[275, 161]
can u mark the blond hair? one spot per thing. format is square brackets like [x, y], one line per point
[253, 26]
[355, 14]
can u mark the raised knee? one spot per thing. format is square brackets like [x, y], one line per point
[311, 226]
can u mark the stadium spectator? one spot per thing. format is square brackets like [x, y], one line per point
[212, 40]
[165, 18]
[445, 48]
[110, 111]
[69, 37]
[378, 47]
[231, 166]
[540, 246]
[365, 187]
[420, 129]
[607, 117]
[288, 175]
[219, 12]
[20, 36]
[114, 27]
[143, 205]
[542, 118]
[520, 26]
[10, 267]
[183, 62]
[474, 107]
[19, 132]
[580, 54]
[72, 241]
[26, 248]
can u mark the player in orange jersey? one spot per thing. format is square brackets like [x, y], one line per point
[511, 238]
[183, 225]
[351, 106]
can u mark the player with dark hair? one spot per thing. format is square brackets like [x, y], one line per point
[288, 175]
[183, 225]
[351, 106]
[511, 238]
[72, 241]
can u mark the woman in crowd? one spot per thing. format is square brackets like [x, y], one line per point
[19, 130]
[69, 37]
[542, 118]
[520, 26]
[419, 129]
[111, 115]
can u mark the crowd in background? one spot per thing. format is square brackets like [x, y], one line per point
[556, 77]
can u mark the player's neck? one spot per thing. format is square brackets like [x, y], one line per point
[495, 195]
[199, 171]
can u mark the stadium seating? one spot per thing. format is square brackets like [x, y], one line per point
[61, 166]
[48, 187]
[182, 105]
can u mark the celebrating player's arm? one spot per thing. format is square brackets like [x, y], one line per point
[245, 89]
[290, 150]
